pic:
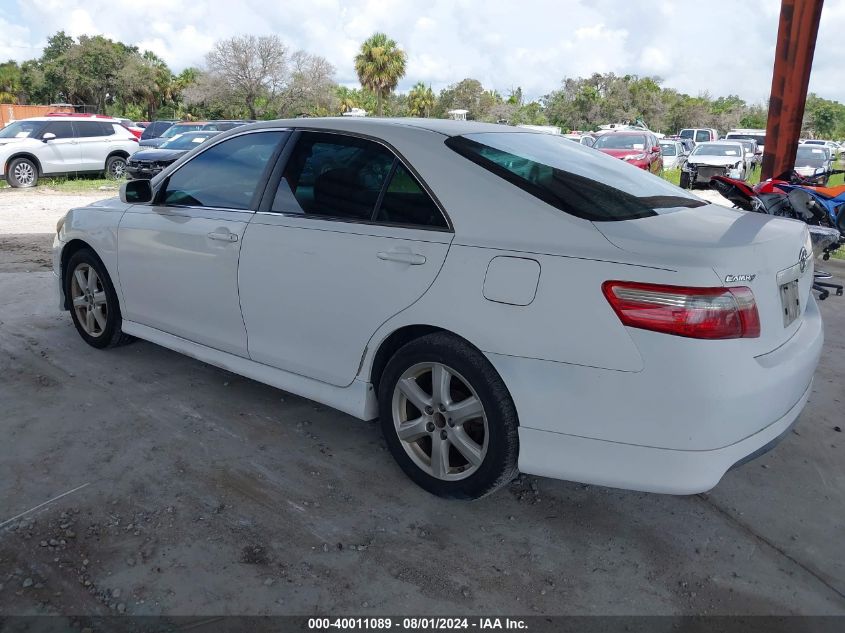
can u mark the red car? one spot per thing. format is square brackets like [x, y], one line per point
[639, 148]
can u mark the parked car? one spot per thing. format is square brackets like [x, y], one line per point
[584, 139]
[177, 128]
[699, 135]
[222, 126]
[752, 157]
[758, 135]
[382, 288]
[146, 163]
[830, 145]
[156, 128]
[50, 146]
[640, 149]
[713, 158]
[811, 159]
[673, 153]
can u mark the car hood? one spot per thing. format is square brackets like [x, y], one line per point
[157, 154]
[813, 164]
[10, 141]
[720, 161]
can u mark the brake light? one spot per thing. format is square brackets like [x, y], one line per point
[709, 313]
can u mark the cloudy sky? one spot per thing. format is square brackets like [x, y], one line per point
[719, 46]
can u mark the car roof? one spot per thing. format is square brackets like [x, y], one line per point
[376, 126]
[48, 119]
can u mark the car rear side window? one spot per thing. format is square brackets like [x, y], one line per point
[351, 178]
[224, 176]
[575, 179]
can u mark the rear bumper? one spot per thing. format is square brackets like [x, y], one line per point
[644, 468]
[676, 426]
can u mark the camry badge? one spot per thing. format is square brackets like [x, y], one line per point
[729, 279]
[803, 258]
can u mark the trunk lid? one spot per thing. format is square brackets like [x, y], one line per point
[742, 249]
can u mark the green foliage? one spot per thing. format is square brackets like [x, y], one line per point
[421, 100]
[380, 65]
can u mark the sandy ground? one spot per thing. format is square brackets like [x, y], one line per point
[194, 491]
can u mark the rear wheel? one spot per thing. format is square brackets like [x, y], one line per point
[448, 418]
[685, 180]
[22, 173]
[115, 167]
[93, 301]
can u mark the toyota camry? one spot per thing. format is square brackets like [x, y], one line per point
[502, 300]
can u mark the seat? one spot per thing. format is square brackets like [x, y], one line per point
[338, 193]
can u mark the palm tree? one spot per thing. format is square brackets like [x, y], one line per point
[421, 100]
[380, 65]
[346, 99]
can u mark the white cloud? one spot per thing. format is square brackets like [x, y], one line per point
[722, 47]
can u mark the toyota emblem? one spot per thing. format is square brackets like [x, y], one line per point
[803, 257]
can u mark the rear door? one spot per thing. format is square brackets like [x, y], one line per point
[348, 237]
[59, 154]
[92, 137]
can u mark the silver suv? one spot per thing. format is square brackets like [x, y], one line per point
[50, 146]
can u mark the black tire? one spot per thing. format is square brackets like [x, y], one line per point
[22, 173]
[685, 180]
[499, 465]
[115, 167]
[111, 335]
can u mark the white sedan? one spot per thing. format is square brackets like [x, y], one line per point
[500, 299]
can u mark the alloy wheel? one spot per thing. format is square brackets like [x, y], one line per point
[440, 421]
[117, 169]
[88, 296]
[24, 174]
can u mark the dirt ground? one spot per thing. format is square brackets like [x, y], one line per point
[192, 491]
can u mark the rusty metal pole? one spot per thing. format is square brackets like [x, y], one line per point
[799, 25]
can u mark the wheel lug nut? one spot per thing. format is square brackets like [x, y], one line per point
[443, 435]
[442, 407]
[451, 422]
[429, 410]
[429, 427]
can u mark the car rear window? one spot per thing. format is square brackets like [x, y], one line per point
[575, 179]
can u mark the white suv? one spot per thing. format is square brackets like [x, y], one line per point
[49, 146]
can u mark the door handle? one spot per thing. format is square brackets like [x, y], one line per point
[223, 237]
[403, 257]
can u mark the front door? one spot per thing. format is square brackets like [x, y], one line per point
[60, 155]
[351, 239]
[178, 257]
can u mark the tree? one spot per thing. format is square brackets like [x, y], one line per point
[10, 82]
[380, 65]
[252, 69]
[421, 100]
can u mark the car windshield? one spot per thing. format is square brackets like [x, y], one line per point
[21, 129]
[668, 149]
[181, 129]
[734, 136]
[185, 141]
[813, 154]
[620, 141]
[572, 178]
[716, 149]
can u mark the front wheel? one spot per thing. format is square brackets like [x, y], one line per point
[22, 173]
[685, 180]
[115, 167]
[93, 301]
[448, 418]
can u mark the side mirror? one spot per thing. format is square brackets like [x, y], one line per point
[136, 192]
[656, 148]
[49, 136]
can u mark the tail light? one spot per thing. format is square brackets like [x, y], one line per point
[708, 313]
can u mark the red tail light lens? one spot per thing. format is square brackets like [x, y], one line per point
[709, 313]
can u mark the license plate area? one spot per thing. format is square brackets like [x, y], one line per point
[790, 301]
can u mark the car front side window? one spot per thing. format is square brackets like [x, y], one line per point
[225, 176]
[62, 129]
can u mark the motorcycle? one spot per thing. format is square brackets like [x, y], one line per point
[796, 197]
